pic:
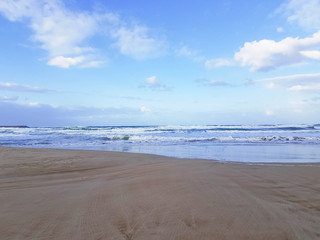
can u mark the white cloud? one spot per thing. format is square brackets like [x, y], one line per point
[185, 51]
[16, 10]
[64, 34]
[145, 109]
[61, 32]
[34, 104]
[305, 13]
[312, 87]
[265, 55]
[218, 62]
[153, 83]
[297, 78]
[58, 30]
[91, 63]
[269, 112]
[280, 29]
[8, 98]
[22, 88]
[212, 83]
[314, 54]
[271, 85]
[65, 62]
[297, 82]
[136, 42]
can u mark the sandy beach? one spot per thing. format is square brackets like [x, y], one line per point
[73, 194]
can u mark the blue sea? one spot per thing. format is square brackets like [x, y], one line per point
[240, 143]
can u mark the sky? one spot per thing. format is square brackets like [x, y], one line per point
[161, 62]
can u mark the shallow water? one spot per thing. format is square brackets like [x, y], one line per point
[264, 143]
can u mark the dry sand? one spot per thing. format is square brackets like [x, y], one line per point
[71, 194]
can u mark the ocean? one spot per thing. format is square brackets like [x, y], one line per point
[240, 143]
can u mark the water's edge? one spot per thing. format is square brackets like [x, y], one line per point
[238, 143]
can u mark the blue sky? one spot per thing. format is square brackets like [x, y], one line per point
[124, 62]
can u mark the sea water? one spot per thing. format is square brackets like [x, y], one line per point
[242, 143]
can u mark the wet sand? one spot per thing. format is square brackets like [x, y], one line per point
[73, 194]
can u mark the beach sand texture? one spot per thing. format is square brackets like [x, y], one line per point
[73, 194]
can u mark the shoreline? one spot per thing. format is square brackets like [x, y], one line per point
[317, 164]
[238, 143]
[89, 194]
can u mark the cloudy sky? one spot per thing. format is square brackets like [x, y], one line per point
[137, 62]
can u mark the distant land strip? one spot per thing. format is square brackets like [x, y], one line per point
[14, 126]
